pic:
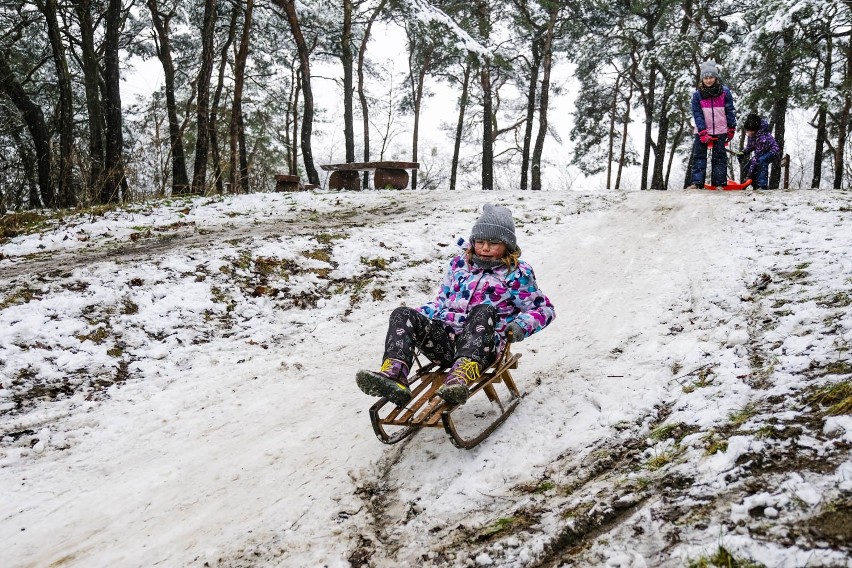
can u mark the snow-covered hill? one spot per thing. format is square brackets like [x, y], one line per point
[178, 385]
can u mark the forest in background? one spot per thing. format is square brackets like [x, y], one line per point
[239, 99]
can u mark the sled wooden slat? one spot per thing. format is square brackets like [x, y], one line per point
[419, 395]
[426, 409]
[422, 418]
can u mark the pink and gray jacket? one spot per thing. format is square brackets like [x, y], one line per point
[513, 293]
[715, 114]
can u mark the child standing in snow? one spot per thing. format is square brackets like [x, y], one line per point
[765, 148]
[715, 123]
[487, 292]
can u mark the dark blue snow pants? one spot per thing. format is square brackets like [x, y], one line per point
[718, 162]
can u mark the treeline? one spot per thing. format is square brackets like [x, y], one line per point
[238, 101]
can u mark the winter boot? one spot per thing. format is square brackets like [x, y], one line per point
[464, 372]
[390, 382]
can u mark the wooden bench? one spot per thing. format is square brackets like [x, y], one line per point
[386, 174]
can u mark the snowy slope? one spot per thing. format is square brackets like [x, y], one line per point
[178, 385]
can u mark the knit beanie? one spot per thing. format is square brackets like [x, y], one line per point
[709, 69]
[495, 224]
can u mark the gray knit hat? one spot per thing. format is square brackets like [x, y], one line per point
[709, 69]
[495, 224]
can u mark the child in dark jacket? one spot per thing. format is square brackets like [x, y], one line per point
[715, 124]
[487, 292]
[765, 148]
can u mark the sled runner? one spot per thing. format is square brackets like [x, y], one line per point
[732, 185]
[426, 409]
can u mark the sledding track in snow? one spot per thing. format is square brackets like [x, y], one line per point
[621, 360]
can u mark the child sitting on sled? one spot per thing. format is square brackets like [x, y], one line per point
[487, 292]
[765, 148]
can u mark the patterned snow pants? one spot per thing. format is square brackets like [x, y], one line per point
[408, 330]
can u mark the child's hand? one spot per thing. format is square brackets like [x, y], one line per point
[704, 137]
[731, 133]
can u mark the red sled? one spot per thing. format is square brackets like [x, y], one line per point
[731, 185]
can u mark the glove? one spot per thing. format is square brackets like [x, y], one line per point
[516, 332]
[704, 137]
[731, 133]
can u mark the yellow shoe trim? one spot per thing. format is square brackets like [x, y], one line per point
[468, 371]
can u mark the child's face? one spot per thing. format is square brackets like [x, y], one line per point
[493, 250]
[750, 133]
[708, 81]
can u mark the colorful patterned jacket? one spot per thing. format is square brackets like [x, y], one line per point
[763, 145]
[514, 294]
[715, 114]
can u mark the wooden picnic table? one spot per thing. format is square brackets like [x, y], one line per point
[386, 174]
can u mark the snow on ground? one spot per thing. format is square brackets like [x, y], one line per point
[178, 385]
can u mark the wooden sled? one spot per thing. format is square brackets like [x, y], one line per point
[732, 185]
[426, 409]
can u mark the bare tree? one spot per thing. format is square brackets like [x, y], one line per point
[239, 159]
[115, 182]
[289, 7]
[202, 141]
[163, 45]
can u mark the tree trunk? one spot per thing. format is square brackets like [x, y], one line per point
[115, 174]
[778, 113]
[819, 145]
[417, 96]
[297, 89]
[215, 152]
[460, 123]
[532, 93]
[362, 96]
[487, 125]
[649, 103]
[30, 166]
[202, 141]
[678, 138]
[610, 151]
[483, 15]
[37, 127]
[544, 97]
[289, 7]
[347, 59]
[65, 124]
[180, 179]
[843, 121]
[239, 160]
[622, 156]
[822, 117]
[657, 180]
[94, 109]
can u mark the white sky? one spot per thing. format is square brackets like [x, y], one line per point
[239, 437]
